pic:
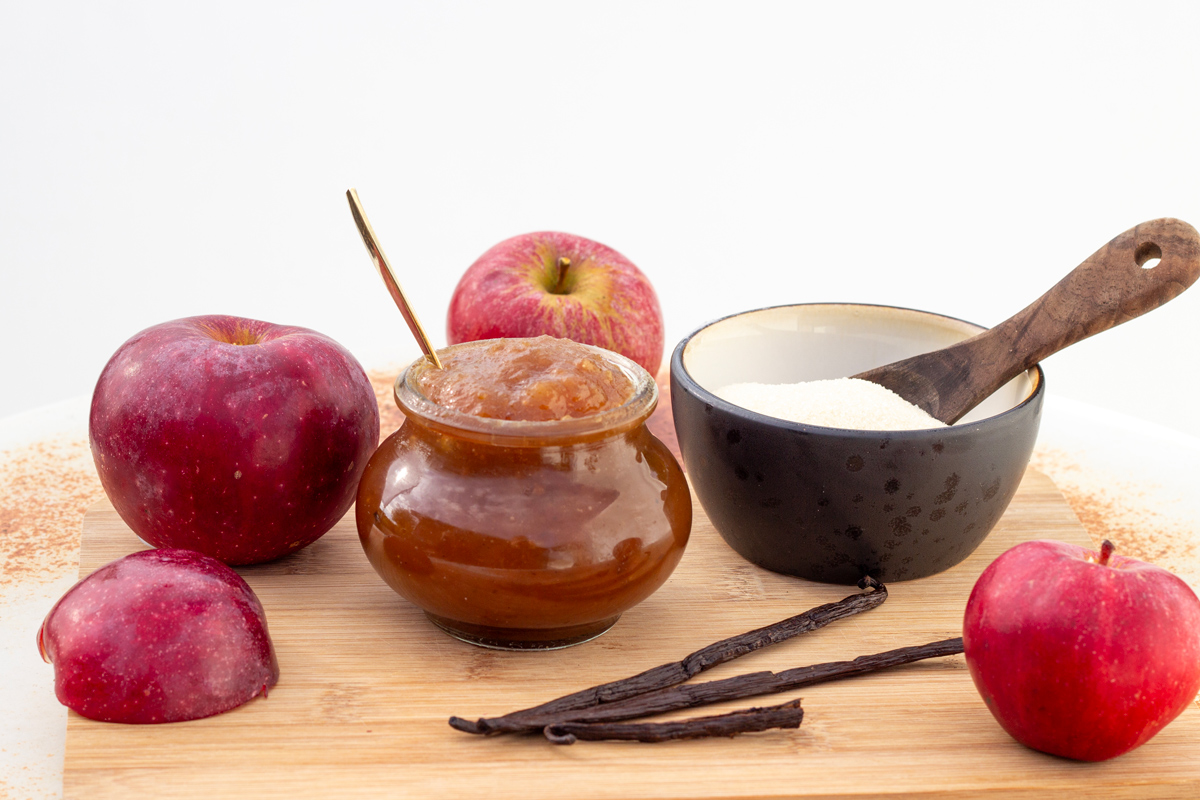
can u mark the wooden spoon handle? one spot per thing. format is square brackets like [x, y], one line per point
[1110, 287]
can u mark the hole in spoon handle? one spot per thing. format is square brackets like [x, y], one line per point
[1136, 272]
[1148, 255]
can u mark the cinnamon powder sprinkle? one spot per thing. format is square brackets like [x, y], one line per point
[45, 488]
[1121, 513]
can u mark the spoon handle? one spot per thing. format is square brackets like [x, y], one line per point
[384, 268]
[1112, 286]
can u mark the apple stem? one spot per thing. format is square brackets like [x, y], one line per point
[559, 285]
[1106, 550]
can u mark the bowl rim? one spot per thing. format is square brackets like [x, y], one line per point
[680, 373]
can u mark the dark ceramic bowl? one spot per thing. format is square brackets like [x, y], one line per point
[830, 504]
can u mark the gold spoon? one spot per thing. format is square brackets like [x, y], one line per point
[389, 276]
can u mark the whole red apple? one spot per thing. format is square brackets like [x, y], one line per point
[240, 439]
[1082, 654]
[559, 285]
[158, 636]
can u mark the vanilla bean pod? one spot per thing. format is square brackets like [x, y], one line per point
[785, 715]
[666, 675]
[674, 698]
[752, 684]
[600, 722]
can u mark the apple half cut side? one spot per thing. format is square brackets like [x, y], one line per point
[158, 636]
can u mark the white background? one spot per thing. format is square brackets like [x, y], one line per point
[159, 160]
[165, 159]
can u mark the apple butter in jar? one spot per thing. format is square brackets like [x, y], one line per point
[524, 504]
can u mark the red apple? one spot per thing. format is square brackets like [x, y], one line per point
[237, 438]
[559, 285]
[158, 636]
[1082, 654]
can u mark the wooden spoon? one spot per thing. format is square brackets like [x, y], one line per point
[1112, 286]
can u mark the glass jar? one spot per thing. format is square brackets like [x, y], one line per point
[524, 534]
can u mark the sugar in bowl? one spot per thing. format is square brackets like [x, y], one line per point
[524, 504]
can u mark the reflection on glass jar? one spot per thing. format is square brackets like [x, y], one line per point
[518, 534]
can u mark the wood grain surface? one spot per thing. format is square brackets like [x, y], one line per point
[367, 685]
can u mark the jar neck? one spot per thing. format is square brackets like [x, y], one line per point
[526, 433]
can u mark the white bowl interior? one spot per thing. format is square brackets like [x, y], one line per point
[790, 344]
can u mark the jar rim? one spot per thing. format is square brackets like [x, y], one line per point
[530, 433]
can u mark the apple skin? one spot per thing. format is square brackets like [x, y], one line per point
[237, 438]
[1081, 658]
[513, 291]
[158, 636]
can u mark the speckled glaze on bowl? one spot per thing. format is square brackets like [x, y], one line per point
[829, 504]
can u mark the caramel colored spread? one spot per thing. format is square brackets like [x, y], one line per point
[527, 379]
[523, 543]
[537, 540]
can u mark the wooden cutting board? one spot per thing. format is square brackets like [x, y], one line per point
[367, 685]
